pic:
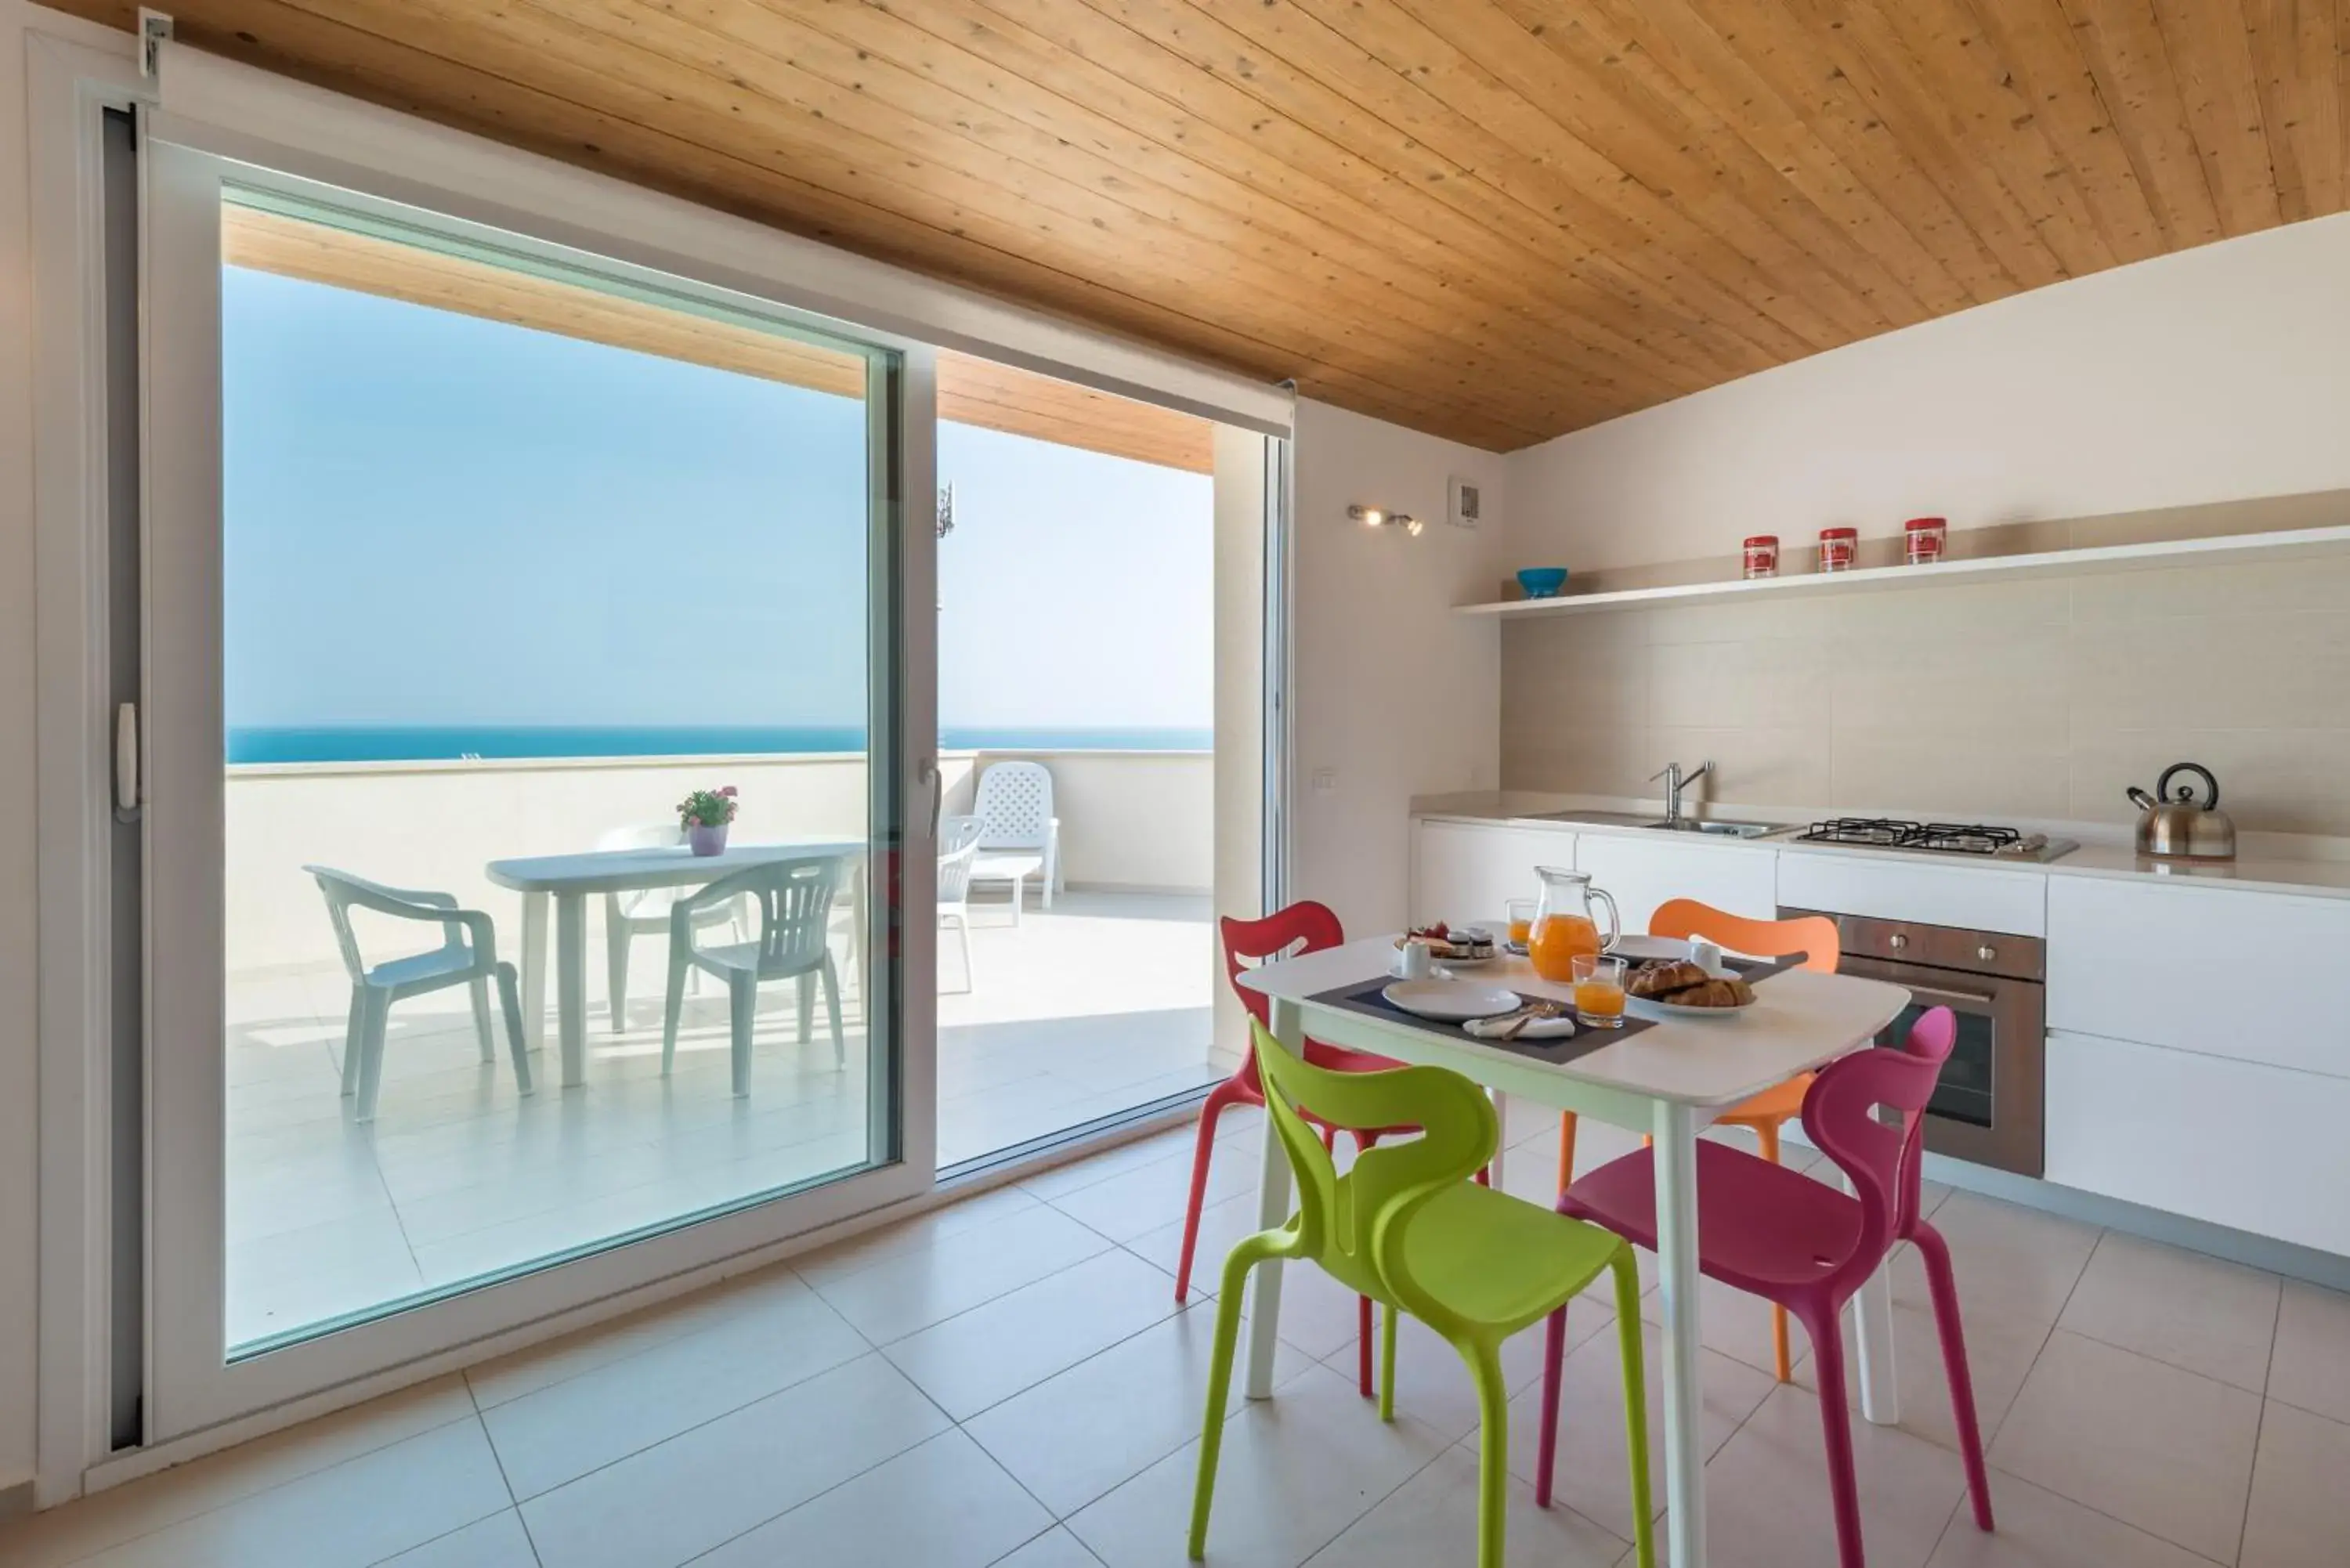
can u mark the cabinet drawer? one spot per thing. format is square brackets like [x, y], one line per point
[2139, 1122]
[1467, 872]
[2221, 972]
[1644, 872]
[1902, 888]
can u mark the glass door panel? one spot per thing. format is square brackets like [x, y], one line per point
[539, 633]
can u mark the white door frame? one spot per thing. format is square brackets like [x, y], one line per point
[190, 1385]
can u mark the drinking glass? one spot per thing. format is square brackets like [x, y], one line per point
[1599, 990]
[1522, 921]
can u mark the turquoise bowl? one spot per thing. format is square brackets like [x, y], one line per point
[1542, 582]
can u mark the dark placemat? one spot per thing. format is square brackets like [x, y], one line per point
[1369, 1000]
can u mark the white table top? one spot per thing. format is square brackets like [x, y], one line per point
[670, 865]
[1801, 1020]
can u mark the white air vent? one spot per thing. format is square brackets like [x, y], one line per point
[1467, 503]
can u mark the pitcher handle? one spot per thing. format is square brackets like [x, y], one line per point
[1615, 921]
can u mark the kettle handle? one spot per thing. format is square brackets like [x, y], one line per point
[2140, 799]
[2162, 784]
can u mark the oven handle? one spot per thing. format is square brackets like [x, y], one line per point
[1933, 995]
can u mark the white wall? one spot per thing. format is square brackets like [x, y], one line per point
[1389, 690]
[2214, 375]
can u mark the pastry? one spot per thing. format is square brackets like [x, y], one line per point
[1658, 978]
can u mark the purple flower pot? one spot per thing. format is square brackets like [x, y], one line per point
[707, 840]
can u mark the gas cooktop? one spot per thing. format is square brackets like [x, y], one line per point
[1937, 838]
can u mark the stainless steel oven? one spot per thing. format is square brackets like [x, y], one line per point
[1987, 1108]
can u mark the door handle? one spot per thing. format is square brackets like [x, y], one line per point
[928, 773]
[126, 762]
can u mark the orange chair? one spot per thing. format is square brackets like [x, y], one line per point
[1813, 936]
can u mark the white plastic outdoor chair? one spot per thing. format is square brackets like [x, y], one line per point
[1019, 835]
[468, 956]
[957, 848]
[644, 911]
[794, 900]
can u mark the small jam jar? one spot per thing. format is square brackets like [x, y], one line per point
[1763, 555]
[1837, 547]
[1924, 538]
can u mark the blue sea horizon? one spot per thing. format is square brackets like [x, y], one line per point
[403, 743]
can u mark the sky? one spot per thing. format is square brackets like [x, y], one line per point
[434, 519]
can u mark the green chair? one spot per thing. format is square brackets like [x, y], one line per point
[1408, 1228]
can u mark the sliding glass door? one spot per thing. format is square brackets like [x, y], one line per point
[528, 683]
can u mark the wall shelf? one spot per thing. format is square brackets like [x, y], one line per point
[2281, 545]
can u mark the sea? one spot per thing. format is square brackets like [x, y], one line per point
[452, 742]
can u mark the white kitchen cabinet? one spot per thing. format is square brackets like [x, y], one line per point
[2247, 975]
[1906, 887]
[2236, 1143]
[1464, 871]
[1644, 871]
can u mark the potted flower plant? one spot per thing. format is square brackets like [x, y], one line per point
[704, 815]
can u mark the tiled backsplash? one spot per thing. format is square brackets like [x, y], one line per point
[2034, 699]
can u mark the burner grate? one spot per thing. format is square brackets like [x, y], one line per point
[1891, 833]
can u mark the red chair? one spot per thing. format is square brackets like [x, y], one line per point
[1798, 1243]
[1302, 928]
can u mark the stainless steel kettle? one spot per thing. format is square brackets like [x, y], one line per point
[2178, 827]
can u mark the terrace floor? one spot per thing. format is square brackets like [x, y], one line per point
[1097, 1006]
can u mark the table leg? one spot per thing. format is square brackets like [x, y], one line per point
[571, 984]
[1271, 1210]
[1501, 1142]
[1872, 1342]
[534, 970]
[1676, 1174]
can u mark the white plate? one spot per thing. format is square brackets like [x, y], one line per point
[1633, 947]
[1451, 1001]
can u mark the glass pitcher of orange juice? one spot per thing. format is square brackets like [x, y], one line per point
[1563, 923]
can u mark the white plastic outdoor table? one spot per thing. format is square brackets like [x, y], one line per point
[1669, 1080]
[569, 879]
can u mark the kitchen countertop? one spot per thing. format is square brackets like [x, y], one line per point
[2322, 871]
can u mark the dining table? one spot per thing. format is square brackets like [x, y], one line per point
[569, 880]
[1668, 1080]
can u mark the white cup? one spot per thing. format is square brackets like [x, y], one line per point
[1413, 960]
[1705, 955]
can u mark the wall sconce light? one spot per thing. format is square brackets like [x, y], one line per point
[1373, 517]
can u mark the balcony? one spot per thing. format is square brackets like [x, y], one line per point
[1096, 1006]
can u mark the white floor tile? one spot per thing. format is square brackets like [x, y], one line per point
[2208, 1317]
[1056, 1548]
[1073, 1437]
[2166, 1451]
[1767, 1499]
[497, 1541]
[2015, 1262]
[904, 1293]
[1433, 1518]
[2310, 1368]
[987, 1355]
[942, 1505]
[2000, 1354]
[2037, 1528]
[681, 1498]
[1592, 1475]
[2300, 1512]
[356, 1514]
[583, 1423]
[1296, 1471]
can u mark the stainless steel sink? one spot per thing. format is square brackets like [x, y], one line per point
[1715, 829]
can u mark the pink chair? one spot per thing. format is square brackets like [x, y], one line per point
[1303, 928]
[1804, 1245]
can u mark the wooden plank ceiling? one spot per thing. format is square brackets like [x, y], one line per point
[1496, 219]
[971, 391]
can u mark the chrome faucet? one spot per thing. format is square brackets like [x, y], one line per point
[1677, 781]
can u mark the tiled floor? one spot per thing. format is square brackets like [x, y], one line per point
[1089, 1009]
[1008, 1381]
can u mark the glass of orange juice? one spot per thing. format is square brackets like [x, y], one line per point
[1599, 990]
[1522, 921]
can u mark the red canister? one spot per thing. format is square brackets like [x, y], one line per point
[1763, 555]
[1924, 538]
[1837, 547]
